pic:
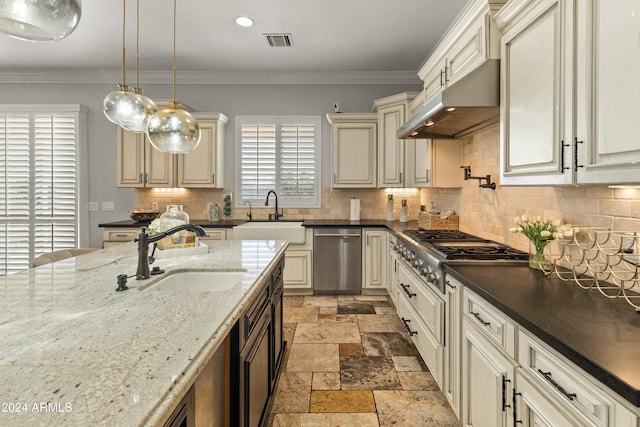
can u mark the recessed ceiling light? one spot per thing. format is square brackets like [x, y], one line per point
[244, 21]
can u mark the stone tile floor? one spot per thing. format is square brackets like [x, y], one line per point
[350, 362]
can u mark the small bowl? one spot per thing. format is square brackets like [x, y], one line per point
[141, 215]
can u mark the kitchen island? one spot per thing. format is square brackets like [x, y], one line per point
[76, 352]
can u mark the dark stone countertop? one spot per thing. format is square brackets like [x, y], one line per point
[600, 335]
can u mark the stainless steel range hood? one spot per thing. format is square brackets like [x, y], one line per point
[466, 106]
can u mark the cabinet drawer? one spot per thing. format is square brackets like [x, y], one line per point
[215, 235]
[252, 314]
[497, 326]
[565, 383]
[120, 235]
[431, 351]
[424, 301]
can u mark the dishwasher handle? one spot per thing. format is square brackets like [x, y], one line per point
[337, 235]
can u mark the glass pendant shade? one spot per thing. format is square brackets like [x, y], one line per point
[137, 121]
[39, 20]
[173, 130]
[123, 107]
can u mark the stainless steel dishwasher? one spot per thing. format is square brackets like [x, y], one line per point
[337, 260]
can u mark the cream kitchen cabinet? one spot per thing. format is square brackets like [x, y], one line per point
[139, 164]
[214, 234]
[298, 267]
[608, 60]
[572, 121]
[537, 108]
[354, 142]
[112, 236]
[204, 166]
[374, 267]
[392, 268]
[452, 351]
[471, 40]
[413, 163]
[392, 113]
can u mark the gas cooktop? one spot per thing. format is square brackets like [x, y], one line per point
[457, 245]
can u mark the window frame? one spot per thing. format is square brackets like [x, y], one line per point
[278, 121]
[81, 220]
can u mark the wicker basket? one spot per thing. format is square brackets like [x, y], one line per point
[430, 221]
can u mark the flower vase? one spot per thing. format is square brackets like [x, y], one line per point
[537, 257]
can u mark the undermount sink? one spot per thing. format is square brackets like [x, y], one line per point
[198, 281]
[293, 231]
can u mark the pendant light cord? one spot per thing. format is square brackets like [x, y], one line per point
[138, 44]
[174, 49]
[124, 21]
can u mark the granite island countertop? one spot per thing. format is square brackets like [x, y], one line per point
[101, 357]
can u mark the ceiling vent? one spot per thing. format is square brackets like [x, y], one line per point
[279, 39]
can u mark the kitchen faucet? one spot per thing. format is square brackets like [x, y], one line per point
[275, 215]
[144, 239]
[250, 215]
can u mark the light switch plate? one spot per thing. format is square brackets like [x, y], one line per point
[93, 206]
[108, 206]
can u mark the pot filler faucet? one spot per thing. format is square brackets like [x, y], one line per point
[275, 215]
[144, 239]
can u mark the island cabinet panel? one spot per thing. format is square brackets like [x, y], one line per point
[259, 348]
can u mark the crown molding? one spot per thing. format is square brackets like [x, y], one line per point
[213, 77]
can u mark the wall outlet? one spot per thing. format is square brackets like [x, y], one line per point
[93, 206]
[108, 206]
[154, 206]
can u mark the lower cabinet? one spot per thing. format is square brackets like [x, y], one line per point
[421, 310]
[374, 274]
[453, 343]
[298, 271]
[259, 348]
[392, 269]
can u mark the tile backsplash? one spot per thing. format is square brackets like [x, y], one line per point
[335, 203]
[483, 212]
[490, 214]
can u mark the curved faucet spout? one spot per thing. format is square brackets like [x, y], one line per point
[144, 239]
[275, 215]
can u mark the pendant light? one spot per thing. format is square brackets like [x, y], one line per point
[138, 122]
[173, 130]
[38, 20]
[122, 107]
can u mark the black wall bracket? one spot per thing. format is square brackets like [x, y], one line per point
[488, 184]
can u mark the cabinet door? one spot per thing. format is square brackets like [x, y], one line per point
[159, 167]
[375, 257]
[297, 269]
[467, 53]
[453, 326]
[390, 148]
[608, 88]
[418, 162]
[487, 385]
[202, 168]
[130, 158]
[392, 270]
[255, 377]
[354, 155]
[446, 159]
[434, 81]
[536, 106]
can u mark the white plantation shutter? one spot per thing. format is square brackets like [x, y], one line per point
[281, 154]
[38, 186]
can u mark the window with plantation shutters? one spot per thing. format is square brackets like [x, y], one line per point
[39, 156]
[281, 154]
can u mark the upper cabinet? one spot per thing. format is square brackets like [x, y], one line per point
[608, 60]
[354, 142]
[470, 41]
[537, 92]
[204, 166]
[140, 165]
[570, 121]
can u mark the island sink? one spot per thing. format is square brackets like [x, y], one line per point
[198, 281]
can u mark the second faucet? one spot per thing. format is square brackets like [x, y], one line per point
[276, 215]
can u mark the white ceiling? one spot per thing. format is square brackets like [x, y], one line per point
[388, 37]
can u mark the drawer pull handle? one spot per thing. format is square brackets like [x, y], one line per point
[504, 393]
[477, 316]
[407, 327]
[547, 376]
[405, 288]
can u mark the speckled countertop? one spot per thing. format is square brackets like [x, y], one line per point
[101, 357]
